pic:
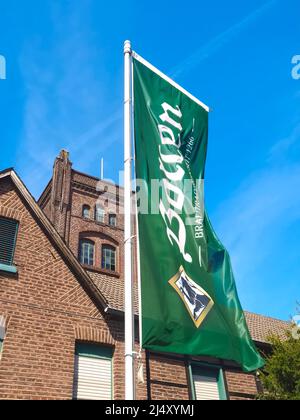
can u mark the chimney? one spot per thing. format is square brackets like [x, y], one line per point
[60, 193]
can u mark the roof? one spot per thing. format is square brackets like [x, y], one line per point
[56, 240]
[113, 289]
[260, 326]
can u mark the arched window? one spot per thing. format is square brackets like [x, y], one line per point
[86, 252]
[109, 257]
[99, 214]
[112, 220]
[86, 212]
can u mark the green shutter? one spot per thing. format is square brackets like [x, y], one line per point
[94, 350]
[8, 235]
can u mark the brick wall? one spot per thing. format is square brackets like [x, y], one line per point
[99, 233]
[240, 385]
[48, 310]
[168, 379]
[63, 201]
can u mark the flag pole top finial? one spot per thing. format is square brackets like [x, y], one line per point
[127, 47]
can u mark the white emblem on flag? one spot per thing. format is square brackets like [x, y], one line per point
[196, 300]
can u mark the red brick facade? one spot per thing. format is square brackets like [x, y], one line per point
[48, 310]
[67, 217]
[48, 306]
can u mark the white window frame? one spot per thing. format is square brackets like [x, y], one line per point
[99, 214]
[82, 248]
[108, 247]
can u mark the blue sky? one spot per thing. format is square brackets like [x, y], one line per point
[64, 88]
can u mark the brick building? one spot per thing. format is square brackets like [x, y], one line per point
[61, 301]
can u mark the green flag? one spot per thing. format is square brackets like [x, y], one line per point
[189, 299]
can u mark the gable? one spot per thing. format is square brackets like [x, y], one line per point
[43, 275]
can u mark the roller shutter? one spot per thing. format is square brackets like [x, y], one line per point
[93, 373]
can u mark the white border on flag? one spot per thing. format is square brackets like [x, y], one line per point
[163, 76]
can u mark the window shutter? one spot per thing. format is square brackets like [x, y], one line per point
[93, 373]
[206, 387]
[8, 232]
[92, 378]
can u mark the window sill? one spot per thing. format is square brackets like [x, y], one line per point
[8, 268]
[119, 226]
[101, 270]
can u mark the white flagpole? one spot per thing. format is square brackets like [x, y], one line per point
[129, 316]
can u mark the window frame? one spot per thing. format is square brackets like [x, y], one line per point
[115, 219]
[1, 342]
[98, 206]
[83, 241]
[10, 266]
[84, 208]
[112, 248]
[2, 333]
[210, 367]
[101, 351]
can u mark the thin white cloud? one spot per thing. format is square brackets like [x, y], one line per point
[281, 148]
[219, 41]
[263, 205]
[253, 219]
[65, 99]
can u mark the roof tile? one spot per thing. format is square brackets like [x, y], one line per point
[260, 326]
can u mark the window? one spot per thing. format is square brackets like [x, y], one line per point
[2, 332]
[113, 220]
[86, 252]
[99, 214]
[109, 257]
[86, 212]
[8, 236]
[207, 383]
[93, 372]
